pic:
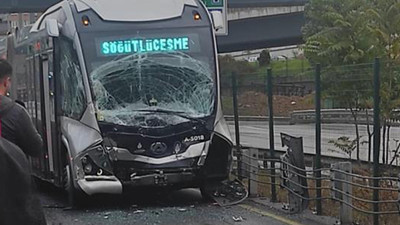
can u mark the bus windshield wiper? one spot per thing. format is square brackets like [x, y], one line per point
[175, 113]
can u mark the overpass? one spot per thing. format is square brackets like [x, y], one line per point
[262, 3]
[253, 24]
[262, 32]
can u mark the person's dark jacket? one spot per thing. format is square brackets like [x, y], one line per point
[18, 128]
[18, 203]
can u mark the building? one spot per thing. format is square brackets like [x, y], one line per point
[9, 22]
[21, 19]
[3, 35]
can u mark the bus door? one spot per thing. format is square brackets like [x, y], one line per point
[49, 116]
[31, 95]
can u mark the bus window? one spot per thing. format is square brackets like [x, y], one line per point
[71, 80]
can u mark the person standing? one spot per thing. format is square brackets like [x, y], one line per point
[18, 138]
[15, 122]
[18, 203]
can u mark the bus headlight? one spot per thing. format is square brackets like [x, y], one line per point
[95, 161]
[88, 168]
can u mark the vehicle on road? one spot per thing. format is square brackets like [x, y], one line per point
[125, 94]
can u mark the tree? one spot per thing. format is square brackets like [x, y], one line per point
[335, 35]
[349, 88]
[265, 58]
[384, 24]
[344, 144]
[342, 32]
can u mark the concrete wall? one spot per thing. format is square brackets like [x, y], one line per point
[342, 116]
[243, 13]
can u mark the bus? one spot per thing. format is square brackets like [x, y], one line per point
[125, 93]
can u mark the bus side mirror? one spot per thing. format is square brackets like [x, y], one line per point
[218, 19]
[52, 28]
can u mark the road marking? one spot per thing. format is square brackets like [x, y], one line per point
[271, 215]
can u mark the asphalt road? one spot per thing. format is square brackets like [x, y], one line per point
[256, 134]
[153, 207]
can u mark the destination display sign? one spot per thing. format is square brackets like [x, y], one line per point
[130, 46]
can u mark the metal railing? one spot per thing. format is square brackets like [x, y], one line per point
[249, 170]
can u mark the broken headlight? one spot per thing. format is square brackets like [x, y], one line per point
[95, 161]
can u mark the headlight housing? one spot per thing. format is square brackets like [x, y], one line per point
[95, 161]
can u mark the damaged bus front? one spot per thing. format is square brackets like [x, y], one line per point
[155, 89]
[124, 94]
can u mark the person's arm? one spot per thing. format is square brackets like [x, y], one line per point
[28, 138]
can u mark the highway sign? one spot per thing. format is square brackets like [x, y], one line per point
[221, 6]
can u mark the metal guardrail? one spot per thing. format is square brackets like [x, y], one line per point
[328, 116]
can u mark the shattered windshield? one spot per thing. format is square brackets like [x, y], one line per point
[142, 85]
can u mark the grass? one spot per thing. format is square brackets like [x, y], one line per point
[293, 64]
[295, 67]
[253, 103]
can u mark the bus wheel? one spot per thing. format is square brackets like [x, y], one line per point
[76, 197]
[207, 197]
[207, 189]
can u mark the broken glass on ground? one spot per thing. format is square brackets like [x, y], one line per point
[227, 192]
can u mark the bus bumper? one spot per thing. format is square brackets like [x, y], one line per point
[162, 179]
[100, 185]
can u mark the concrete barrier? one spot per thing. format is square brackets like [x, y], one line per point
[332, 116]
[342, 116]
[277, 120]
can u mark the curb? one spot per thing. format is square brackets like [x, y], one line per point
[307, 217]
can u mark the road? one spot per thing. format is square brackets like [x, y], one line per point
[256, 134]
[147, 207]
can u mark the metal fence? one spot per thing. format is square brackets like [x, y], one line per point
[361, 99]
[338, 184]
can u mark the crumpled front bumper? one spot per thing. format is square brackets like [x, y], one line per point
[162, 179]
[100, 185]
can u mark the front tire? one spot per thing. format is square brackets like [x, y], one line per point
[207, 189]
[76, 197]
[205, 195]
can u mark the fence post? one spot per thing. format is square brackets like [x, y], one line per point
[237, 131]
[346, 212]
[253, 168]
[377, 137]
[398, 195]
[318, 137]
[271, 134]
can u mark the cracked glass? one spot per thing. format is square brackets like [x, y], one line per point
[71, 79]
[153, 88]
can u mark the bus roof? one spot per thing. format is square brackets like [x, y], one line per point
[121, 10]
[135, 10]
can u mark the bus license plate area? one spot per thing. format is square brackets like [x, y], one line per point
[160, 180]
